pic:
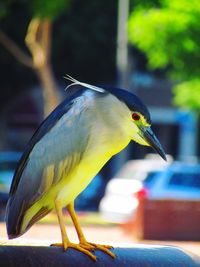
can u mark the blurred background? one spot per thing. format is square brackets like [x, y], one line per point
[150, 47]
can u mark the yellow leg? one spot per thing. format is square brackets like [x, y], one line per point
[83, 242]
[65, 240]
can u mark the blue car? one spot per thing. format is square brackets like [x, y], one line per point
[8, 164]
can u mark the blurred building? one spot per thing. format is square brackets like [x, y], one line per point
[20, 119]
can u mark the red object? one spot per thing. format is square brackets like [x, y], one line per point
[165, 220]
[142, 193]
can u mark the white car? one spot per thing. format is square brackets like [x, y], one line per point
[124, 192]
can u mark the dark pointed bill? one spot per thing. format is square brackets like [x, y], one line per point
[149, 136]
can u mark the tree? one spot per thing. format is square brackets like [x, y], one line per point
[169, 35]
[38, 40]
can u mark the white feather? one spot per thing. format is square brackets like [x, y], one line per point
[76, 82]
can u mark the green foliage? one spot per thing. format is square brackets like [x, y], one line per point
[4, 5]
[49, 8]
[187, 94]
[169, 35]
[137, 4]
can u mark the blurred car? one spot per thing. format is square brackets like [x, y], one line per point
[180, 181]
[121, 199]
[124, 191]
[171, 210]
[175, 181]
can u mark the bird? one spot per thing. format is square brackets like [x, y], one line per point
[68, 149]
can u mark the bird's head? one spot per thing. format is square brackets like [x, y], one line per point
[144, 134]
[140, 120]
[138, 116]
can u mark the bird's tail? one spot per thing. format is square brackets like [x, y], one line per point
[17, 221]
[13, 218]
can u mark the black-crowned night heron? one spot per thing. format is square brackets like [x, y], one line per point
[70, 147]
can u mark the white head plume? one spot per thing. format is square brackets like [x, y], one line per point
[76, 82]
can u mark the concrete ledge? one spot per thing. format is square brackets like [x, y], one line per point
[141, 256]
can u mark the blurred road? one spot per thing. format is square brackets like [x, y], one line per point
[45, 234]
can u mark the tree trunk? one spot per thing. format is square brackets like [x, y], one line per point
[50, 92]
[38, 40]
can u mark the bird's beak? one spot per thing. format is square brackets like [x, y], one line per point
[149, 137]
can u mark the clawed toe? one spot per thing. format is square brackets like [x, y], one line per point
[82, 248]
[61, 245]
[104, 248]
[86, 248]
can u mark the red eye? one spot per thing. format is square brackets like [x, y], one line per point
[135, 117]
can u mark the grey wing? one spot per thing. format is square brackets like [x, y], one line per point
[52, 157]
[44, 128]
[55, 156]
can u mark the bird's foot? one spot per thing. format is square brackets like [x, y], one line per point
[92, 246]
[78, 247]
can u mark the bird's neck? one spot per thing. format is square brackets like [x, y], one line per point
[110, 130]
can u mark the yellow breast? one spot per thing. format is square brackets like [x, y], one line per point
[70, 187]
